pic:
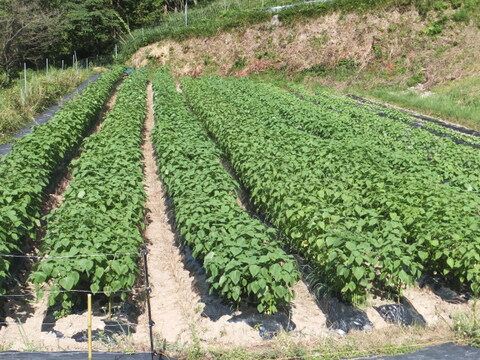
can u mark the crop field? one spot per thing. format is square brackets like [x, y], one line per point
[371, 202]
[263, 189]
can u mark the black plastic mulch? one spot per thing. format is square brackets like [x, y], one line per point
[47, 114]
[76, 355]
[448, 351]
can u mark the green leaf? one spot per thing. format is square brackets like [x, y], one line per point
[235, 276]
[422, 255]
[358, 272]
[276, 271]
[289, 213]
[68, 282]
[235, 251]
[254, 269]
[95, 288]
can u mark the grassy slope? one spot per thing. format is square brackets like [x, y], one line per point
[457, 101]
[212, 18]
[43, 90]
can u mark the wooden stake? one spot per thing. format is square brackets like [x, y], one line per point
[186, 12]
[25, 91]
[89, 325]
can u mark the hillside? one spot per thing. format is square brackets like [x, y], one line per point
[397, 47]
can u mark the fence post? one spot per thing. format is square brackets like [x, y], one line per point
[186, 13]
[149, 309]
[89, 325]
[63, 65]
[116, 51]
[25, 81]
[46, 67]
[75, 61]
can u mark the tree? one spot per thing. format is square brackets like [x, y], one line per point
[90, 26]
[27, 32]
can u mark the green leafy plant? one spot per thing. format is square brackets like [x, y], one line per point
[29, 167]
[241, 257]
[103, 208]
[366, 200]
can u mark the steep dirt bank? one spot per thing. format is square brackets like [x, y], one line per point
[388, 48]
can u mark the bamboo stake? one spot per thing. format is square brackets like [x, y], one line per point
[89, 325]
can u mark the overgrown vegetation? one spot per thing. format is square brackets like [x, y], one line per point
[209, 22]
[18, 108]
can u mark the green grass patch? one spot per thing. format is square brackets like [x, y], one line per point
[7, 140]
[456, 102]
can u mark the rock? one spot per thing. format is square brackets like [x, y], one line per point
[275, 21]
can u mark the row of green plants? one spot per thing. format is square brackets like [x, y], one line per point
[410, 149]
[431, 182]
[240, 254]
[338, 200]
[352, 108]
[278, 167]
[103, 208]
[28, 169]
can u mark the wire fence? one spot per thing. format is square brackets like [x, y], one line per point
[47, 256]
[203, 16]
[30, 294]
[135, 290]
[191, 16]
[118, 324]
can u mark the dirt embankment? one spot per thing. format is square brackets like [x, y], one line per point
[382, 48]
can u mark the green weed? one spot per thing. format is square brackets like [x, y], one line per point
[467, 326]
[457, 101]
[18, 108]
